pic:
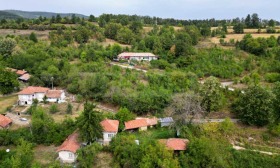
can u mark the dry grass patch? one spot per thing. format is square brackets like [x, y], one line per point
[40, 34]
[103, 160]
[45, 154]
[7, 101]
[239, 37]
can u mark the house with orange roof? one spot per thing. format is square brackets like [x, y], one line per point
[57, 96]
[110, 129]
[24, 77]
[5, 122]
[175, 144]
[141, 124]
[27, 95]
[137, 56]
[67, 150]
[21, 72]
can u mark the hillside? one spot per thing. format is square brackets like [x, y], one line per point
[36, 14]
[8, 15]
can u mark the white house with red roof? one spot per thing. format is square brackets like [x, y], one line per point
[5, 122]
[137, 56]
[176, 144]
[27, 95]
[110, 129]
[141, 124]
[67, 151]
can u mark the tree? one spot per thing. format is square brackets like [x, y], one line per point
[73, 19]
[212, 95]
[271, 23]
[82, 34]
[33, 37]
[205, 31]
[58, 19]
[185, 107]
[276, 91]
[255, 106]
[125, 35]
[124, 115]
[255, 20]
[7, 46]
[238, 28]
[248, 21]
[278, 40]
[87, 155]
[8, 81]
[111, 30]
[69, 108]
[89, 123]
[91, 18]
[23, 156]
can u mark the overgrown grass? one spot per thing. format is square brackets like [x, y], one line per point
[6, 102]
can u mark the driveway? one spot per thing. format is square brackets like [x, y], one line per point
[17, 121]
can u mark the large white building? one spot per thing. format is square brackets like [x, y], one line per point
[110, 129]
[137, 56]
[67, 151]
[27, 95]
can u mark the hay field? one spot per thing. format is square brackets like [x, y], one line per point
[230, 30]
[239, 37]
[7, 101]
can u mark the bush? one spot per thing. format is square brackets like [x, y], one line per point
[272, 77]
[226, 126]
[54, 108]
[69, 108]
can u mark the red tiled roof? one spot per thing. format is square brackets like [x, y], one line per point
[110, 125]
[135, 124]
[131, 54]
[21, 72]
[33, 89]
[4, 121]
[150, 121]
[25, 77]
[70, 144]
[54, 93]
[175, 143]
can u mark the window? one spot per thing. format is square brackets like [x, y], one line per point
[110, 135]
[70, 155]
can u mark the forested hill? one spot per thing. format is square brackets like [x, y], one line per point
[32, 15]
[8, 15]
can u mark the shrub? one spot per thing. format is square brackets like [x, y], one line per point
[54, 108]
[69, 108]
[226, 126]
[272, 77]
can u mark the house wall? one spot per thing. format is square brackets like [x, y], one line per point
[142, 128]
[165, 124]
[39, 96]
[67, 156]
[143, 58]
[106, 136]
[52, 100]
[23, 99]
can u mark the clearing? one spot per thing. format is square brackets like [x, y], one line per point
[45, 154]
[239, 37]
[7, 101]
[43, 35]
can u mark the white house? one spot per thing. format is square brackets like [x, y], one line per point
[55, 96]
[27, 95]
[137, 56]
[110, 129]
[67, 151]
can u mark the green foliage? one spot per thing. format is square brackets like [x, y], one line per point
[227, 126]
[69, 108]
[23, 156]
[33, 37]
[87, 155]
[124, 115]
[7, 46]
[212, 95]
[54, 108]
[272, 77]
[148, 153]
[82, 34]
[89, 123]
[238, 28]
[8, 81]
[255, 106]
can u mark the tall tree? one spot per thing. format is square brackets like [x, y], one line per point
[23, 156]
[255, 20]
[248, 21]
[33, 37]
[238, 28]
[89, 123]
[212, 95]
[58, 18]
[8, 81]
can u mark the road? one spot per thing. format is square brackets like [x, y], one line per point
[200, 121]
[128, 67]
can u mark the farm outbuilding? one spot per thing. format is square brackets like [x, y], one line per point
[165, 122]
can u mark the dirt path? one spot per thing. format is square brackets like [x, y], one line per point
[128, 67]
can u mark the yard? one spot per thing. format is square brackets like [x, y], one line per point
[7, 101]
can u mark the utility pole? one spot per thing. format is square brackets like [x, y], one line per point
[52, 82]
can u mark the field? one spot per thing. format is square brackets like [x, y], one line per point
[7, 101]
[40, 34]
[230, 30]
[239, 37]
[45, 154]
